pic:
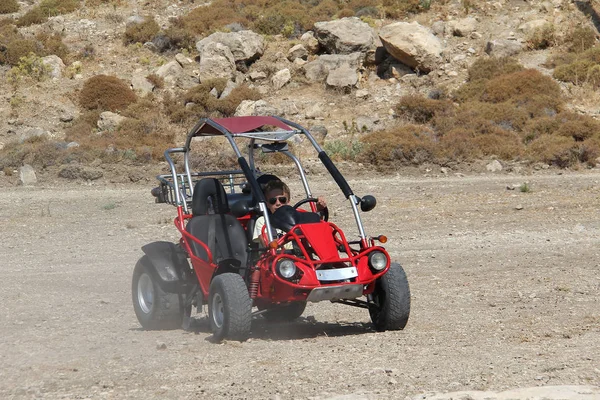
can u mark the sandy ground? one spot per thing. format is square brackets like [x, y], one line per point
[505, 294]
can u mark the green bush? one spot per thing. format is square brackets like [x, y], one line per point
[580, 69]
[580, 39]
[103, 92]
[9, 6]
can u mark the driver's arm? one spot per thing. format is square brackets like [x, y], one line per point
[257, 234]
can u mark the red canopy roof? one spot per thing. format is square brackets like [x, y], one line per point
[238, 125]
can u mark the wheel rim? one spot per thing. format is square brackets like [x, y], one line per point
[145, 293]
[217, 310]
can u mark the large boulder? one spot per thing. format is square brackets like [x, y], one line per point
[345, 36]
[216, 61]
[412, 44]
[318, 70]
[245, 46]
[27, 176]
[503, 48]
[462, 27]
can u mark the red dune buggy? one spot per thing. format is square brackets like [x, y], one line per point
[216, 262]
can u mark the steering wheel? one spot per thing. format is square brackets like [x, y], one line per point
[324, 212]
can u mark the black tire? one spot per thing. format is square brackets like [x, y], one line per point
[285, 313]
[229, 307]
[390, 301]
[154, 308]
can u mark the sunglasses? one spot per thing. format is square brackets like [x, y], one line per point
[282, 200]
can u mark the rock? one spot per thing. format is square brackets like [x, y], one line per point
[30, 132]
[343, 77]
[503, 48]
[565, 392]
[298, 51]
[345, 36]
[530, 27]
[245, 46]
[141, 85]
[256, 76]
[494, 166]
[55, 65]
[361, 94]
[253, 108]
[412, 44]
[74, 171]
[314, 111]
[216, 61]
[27, 176]
[109, 121]
[318, 70]
[229, 86]
[438, 28]
[281, 78]
[319, 132]
[462, 27]
[310, 42]
[366, 123]
[183, 60]
[172, 69]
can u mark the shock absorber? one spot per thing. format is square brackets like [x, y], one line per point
[254, 281]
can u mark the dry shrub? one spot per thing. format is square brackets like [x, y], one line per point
[580, 39]
[542, 38]
[37, 151]
[286, 17]
[488, 68]
[578, 127]
[583, 69]
[52, 8]
[421, 110]
[554, 150]
[9, 6]
[32, 17]
[52, 44]
[199, 102]
[16, 46]
[156, 80]
[140, 139]
[526, 89]
[142, 32]
[103, 92]
[405, 145]
[209, 154]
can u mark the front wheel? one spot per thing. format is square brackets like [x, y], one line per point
[229, 308]
[390, 301]
[155, 309]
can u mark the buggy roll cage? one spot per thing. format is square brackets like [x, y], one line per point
[180, 187]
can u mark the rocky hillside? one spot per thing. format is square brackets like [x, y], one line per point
[344, 78]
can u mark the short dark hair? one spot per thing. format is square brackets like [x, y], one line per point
[277, 185]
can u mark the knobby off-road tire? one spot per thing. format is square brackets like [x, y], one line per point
[285, 313]
[391, 300]
[154, 308]
[229, 308]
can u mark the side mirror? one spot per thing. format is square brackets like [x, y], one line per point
[240, 208]
[367, 203]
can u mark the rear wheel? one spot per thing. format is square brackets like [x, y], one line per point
[154, 308]
[390, 301]
[285, 312]
[229, 307]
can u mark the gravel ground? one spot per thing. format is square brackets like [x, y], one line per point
[505, 294]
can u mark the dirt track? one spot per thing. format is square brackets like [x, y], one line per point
[505, 291]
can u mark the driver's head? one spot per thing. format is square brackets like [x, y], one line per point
[277, 194]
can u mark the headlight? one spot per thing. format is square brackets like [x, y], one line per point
[377, 260]
[286, 268]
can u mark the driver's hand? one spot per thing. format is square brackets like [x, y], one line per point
[321, 204]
